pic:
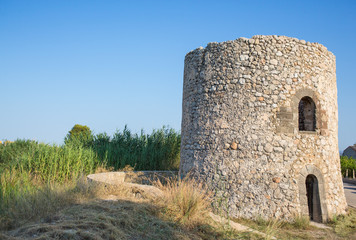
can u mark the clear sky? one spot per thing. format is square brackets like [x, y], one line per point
[105, 64]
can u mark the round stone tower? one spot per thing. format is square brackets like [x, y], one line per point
[260, 127]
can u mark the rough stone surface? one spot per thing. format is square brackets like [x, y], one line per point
[247, 91]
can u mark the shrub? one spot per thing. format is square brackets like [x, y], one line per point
[79, 135]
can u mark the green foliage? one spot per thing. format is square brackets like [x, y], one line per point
[10, 152]
[347, 163]
[159, 150]
[27, 165]
[79, 135]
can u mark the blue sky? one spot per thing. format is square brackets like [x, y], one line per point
[105, 64]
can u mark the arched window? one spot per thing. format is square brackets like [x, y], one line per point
[307, 119]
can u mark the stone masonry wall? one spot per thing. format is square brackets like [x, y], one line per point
[240, 130]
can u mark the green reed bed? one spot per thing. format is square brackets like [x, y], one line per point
[159, 150]
[26, 166]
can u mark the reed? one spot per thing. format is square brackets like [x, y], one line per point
[27, 166]
[159, 150]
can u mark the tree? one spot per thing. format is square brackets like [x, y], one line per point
[79, 135]
[348, 166]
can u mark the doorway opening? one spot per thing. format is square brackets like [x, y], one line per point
[313, 196]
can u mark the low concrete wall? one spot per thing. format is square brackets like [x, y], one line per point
[140, 177]
[113, 178]
[137, 182]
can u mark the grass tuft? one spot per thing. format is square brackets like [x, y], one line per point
[273, 228]
[185, 201]
[301, 222]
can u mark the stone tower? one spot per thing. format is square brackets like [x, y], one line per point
[260, 127]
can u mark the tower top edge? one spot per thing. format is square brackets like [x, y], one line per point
[260, 39]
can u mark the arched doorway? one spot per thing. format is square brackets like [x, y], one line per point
[313, 196]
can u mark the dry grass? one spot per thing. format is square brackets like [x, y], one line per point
[114, 212]
[84, 211]
[185, 201]
[101, 219]
[43, 201]
[89, 212]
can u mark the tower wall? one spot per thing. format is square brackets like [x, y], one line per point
[240, 121]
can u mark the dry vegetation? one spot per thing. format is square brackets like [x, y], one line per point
[98, 212]
[185, 202]
[87, 211]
